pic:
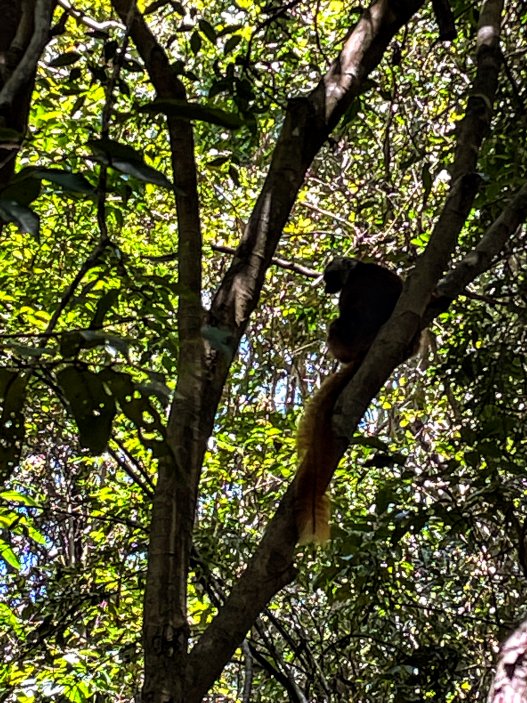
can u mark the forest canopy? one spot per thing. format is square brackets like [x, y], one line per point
[174, 179]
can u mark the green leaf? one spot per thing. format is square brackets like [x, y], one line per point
[218, 161]
[25, 219]
[194, 111]
[426, 177]
[233, 173]
[8, 555]
[104, 305]
[23, 188]
[91, 405]
[110, 49]
[231, 43]
[385, 496]
[137, 409]
[78, 692]
[208, 30]
[25, 350]
[123, 158]
[108, 149]
[72, 342]
[71, 182]
[160, 390]
[35, 535]
[142, 172]
[7, 617]
[133, 66]
[66, 59]
[195, 42]
[13, 496]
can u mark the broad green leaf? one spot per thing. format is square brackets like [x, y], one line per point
[25, 219]
[108, 149]
[142, 172]
[71, 182]
[91, 405]
[73, 342]
[104, 305]
[208, 30]
[8, 555]
[194, 111]
[66, 59]
[23, 188]
[127, 160]
[13, 496]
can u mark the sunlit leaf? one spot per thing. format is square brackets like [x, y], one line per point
[8, 555]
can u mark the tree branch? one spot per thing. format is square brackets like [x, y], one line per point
[275, 261]
[390, 346]
[271, 566]
[485, 252]
[165, 628]
[83, 18]
[307, 124]
[25, 70]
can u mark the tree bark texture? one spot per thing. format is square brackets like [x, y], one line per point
[24, 33]
[510, 680]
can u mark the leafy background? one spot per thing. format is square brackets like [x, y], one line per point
[426, 571]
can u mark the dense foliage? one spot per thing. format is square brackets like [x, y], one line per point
[426, 569]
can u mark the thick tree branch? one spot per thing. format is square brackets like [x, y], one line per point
[165, 630]
[395, 337]
[24, 32]
[24, 72]
[485, 252]
[272, 564]
[307, 124]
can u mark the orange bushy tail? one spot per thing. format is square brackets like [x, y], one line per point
[318, 458]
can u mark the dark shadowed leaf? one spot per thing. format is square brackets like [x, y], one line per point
[66, 59]
[195, 42]
[208, 30]
[72, 342]
[194, 111]
[231, 43]
[127, 160]
[23, 189]
[71, 182]
[25, 219]
[91, 405]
